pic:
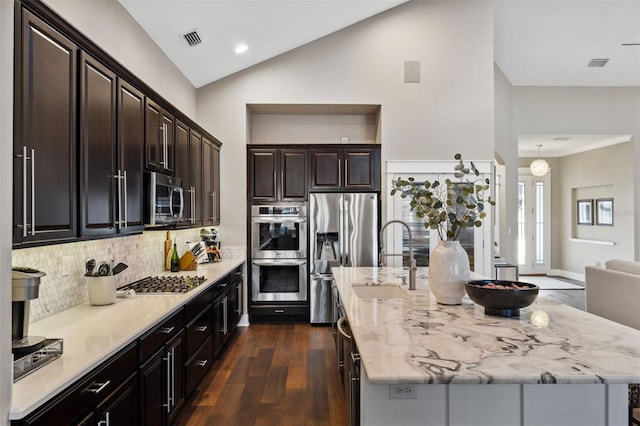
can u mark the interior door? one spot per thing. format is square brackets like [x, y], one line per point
[534, 207]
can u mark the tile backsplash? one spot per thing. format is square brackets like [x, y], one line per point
[65, 285]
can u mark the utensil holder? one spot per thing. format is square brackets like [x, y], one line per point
[102, 290]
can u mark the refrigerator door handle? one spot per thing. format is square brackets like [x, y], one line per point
[347, 230]
[341, 234]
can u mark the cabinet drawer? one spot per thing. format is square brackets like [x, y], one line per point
[198, 330]
[79, 398]
[160, 334]
[198, 365]
[196, 306]
[279, 313]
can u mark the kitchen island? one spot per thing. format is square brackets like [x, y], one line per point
[554, 365]
[93, 334]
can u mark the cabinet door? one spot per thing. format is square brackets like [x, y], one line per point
[130, 157]
[97, 147]
[176, 360]
[154, 136]
[215, 166]
[235, 306]
[169, 144]
[209, 199]
[326, 169]
[196, 176]
[153, 390]
[262, 174]
[45, 143]
[120, 407]
[361, 169]
[293, 175]
[182, 169]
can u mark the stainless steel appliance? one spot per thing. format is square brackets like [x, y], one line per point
[167, 284]
[279, 232]
[165, 202]
[30, 352]
[279, 280]
[343, 228]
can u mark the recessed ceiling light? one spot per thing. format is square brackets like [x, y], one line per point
[241, 48]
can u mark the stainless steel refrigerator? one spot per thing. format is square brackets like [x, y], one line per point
[343, 231]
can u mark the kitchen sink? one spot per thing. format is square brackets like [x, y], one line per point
[378, 291]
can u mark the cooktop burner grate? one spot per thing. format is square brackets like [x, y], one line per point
[165, 284]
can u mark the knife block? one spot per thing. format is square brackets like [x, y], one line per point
[188, 262]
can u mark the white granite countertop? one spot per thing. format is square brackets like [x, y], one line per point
[91, 334]
[413, 339]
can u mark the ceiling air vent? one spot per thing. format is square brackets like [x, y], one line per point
[598, 62]
[192, 38]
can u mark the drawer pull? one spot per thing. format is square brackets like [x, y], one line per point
[201, 329]
[96, 388]
[202, 363]
[166, 330]
[279, 311]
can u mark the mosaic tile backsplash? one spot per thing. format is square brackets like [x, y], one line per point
[65, 285]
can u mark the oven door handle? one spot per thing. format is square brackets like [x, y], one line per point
[279, 262]
[278, 219]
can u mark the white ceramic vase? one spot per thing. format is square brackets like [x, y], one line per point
[448, 272]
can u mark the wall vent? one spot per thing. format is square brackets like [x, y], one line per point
[192, 38]
[598, 62]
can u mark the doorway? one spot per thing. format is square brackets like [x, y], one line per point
[534, 212]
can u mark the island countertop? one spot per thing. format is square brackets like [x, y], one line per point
[413, 339]
[92, 334]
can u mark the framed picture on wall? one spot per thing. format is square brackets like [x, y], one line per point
[604, 211]
[585, 212]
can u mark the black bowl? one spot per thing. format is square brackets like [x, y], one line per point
[504, 302]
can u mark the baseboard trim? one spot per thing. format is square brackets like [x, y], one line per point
[244, 321]
[567, 274]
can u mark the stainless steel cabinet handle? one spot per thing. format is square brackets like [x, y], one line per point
[164, 138]
[239, 310]
[214, 205]
[201, 363]
[341, 322]
[192, 204]
[224, 315]
[24, 189]
[168, 367]
[124, 185]
[33, 191]
[118, 219]
[106, 421]
[96, 387]
[166, 330]
[201, 329]
[279, 311]
[164, 145]
[172, 354]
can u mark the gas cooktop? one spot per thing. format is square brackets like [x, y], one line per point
[165, 284]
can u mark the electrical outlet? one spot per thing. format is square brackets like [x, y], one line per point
[402, 392]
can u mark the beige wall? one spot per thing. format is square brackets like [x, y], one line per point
[111, 27]
[450, 111]
[583, 110]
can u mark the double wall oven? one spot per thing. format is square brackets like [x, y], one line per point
[279, 253]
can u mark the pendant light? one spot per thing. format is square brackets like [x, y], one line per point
[539, 167]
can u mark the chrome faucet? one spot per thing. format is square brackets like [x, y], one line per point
[412, 260]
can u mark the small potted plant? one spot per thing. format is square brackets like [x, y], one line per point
[448, 207]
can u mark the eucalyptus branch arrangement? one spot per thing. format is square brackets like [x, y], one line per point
[451, 206]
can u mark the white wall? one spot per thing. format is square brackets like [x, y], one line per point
[506, 147]
[450, 111]
[6, 193]
[111, 27]
[584, 110]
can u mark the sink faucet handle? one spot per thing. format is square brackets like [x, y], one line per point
[404, 279]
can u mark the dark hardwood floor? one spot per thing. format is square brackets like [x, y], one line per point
[272, 374]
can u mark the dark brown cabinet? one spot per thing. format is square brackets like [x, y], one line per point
[340, 169]
[188, 148]
[210, 183]
[159, 138]
[109, 392]
[162, 392]
[111, 135]
[277, 174]
[44, 172]
[196, 194]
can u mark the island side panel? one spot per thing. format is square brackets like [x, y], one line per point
[484, 405]
[566, 404]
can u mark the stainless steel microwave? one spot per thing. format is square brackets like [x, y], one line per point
[165, 202]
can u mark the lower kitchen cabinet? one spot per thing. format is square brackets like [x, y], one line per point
[108, 392]
[162, 392]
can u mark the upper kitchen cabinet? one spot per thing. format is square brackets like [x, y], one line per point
[159, 138]
[44, 172]
[183, 168]
[345, 169]
[111, 141]
[195, 195]
[210, 182]
[277, 174]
